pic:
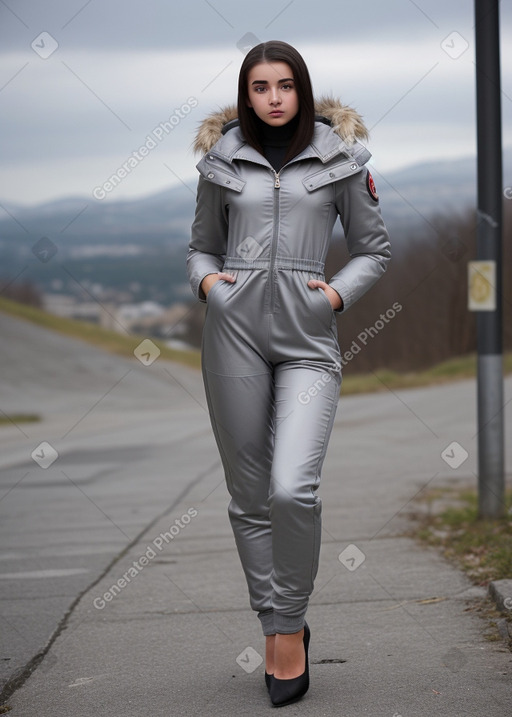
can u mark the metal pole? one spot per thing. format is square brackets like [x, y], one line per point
[491, 483]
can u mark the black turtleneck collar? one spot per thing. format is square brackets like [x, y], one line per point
[277, 136]
[276, 140]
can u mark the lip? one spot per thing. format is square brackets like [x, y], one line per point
[276, 113]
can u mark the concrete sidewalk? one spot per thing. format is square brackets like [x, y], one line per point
[179, 639]
[164, 628]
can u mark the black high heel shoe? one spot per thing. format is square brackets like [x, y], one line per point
[285, 692]
[268, 680]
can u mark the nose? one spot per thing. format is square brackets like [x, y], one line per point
[274, 97]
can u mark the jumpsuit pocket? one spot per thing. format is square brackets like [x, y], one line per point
[328, 310]
[223, 293]
[220, 281]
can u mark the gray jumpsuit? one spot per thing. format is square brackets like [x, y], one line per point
[270, 356]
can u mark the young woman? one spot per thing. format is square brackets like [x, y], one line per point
[276, 173]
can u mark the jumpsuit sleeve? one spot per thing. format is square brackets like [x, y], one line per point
[207, 247]
[367, 239]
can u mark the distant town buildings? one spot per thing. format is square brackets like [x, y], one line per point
[146, 317]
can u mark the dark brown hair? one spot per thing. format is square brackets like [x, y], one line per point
[277, 51]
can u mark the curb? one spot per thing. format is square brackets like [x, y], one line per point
[501, 592]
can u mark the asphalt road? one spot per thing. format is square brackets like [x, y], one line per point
[395, 628]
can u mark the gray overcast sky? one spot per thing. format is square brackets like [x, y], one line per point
[78, 101]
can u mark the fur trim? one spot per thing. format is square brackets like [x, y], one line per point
[210, 129]
[345, 121]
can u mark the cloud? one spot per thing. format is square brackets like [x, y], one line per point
[129, 25]
[70, 121]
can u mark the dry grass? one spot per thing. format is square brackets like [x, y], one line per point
[112, 341]
[124, 345]
[448, 519]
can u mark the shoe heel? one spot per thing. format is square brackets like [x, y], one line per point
[268, 680]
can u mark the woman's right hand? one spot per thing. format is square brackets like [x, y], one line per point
[211, 279]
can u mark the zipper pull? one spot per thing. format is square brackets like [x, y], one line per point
[277, 183]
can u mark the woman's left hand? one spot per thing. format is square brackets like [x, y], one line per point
[332, 294]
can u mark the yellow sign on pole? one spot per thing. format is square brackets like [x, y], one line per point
[482, 285]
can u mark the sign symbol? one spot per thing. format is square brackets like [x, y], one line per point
[247, 42]
[454, 455]
[249, 248]
[482, 285]
[454, 45]
[249, 659]
[351, 557]
[44, 45]
[44, 455]
[480, 289]
[44, 249]
[147, 352]
[454, 248]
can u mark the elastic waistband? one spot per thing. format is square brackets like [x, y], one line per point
[237, 262]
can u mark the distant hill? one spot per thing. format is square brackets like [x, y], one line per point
[164, 218]
[150, 221]
[144, 240]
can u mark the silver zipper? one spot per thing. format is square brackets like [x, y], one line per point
[273, 248]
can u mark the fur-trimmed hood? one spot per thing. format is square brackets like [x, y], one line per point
[345, 122]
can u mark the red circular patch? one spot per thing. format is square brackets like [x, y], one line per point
[370, 184]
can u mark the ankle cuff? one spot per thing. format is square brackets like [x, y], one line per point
[286, 624]
[267, 622]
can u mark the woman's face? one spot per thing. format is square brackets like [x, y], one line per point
[272, 94]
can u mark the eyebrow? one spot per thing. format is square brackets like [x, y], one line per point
[264, 82]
